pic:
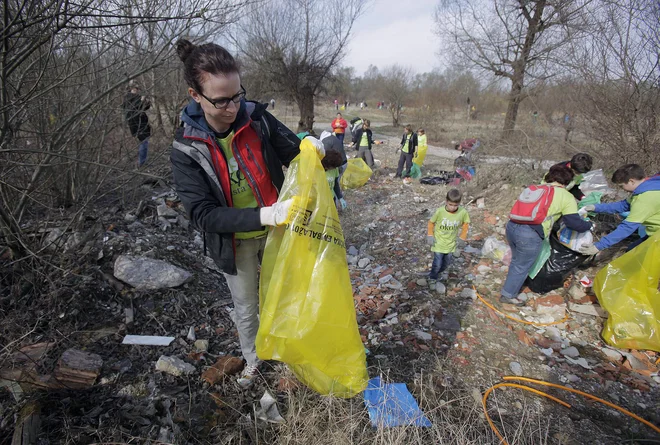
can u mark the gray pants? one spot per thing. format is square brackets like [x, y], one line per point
[244, 289]
[365, 154]
[407, 159]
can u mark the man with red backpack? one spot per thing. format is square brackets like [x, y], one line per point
[538, 207]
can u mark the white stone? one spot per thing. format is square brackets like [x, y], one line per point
[201, 345]
[147, 273]
[174, 366]
[364, 262]
[166, 212]
[425, 336]
[440, 288]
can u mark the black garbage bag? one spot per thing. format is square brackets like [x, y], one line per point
[444, 177]
[561, 263]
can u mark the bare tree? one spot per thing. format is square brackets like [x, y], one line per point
[520, 40]
[62, 69]
[394, 86]
[295, 44]
[620, 81]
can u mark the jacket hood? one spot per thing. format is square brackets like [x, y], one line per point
[193, 115]
[650, 185]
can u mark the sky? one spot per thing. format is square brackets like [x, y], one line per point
[395, 31]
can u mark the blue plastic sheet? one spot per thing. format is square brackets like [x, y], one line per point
[391, 404]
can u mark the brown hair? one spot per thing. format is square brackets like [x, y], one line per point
[629, 171]
[421, 130]
[560, 174]
[582, 163]
[454, 195]
[332, 159]
[200, 60]
[408, 128]
[367, 123]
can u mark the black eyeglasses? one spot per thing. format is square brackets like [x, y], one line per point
[223, 102]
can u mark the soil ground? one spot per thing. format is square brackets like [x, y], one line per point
[470, 347]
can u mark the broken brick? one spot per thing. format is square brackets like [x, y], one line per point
[224, 367]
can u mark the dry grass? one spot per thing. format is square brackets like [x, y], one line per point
[455, 413]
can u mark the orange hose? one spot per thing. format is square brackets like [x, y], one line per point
[566, 317]
[541, 393]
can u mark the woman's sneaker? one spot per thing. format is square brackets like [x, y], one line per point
[248, 376]
[513, 301]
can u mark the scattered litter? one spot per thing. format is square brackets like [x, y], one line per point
[391, 405]
[147, 340]
[268, 411]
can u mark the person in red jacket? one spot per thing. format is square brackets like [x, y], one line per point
[339, 126]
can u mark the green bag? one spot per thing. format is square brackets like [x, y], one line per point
[415, 171]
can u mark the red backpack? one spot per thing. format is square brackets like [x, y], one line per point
[532, 205]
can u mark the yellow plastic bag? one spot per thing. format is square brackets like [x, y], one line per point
[356, 175]
[307, 315]
[628, 289]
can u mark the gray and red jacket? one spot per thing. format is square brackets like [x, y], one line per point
[261, 146]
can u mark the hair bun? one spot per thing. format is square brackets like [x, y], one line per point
[184, 49]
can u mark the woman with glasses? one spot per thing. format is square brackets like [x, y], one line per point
[227, 163]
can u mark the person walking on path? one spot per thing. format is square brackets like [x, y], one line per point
[363, 140]
[135, 107]
[227, 161]
[408, 146]
[339, 126]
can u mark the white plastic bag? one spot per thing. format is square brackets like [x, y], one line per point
[594, 181]
[496, 250]
[572, 239]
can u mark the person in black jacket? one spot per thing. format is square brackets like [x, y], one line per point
[227, 163]
[134, 107]
[408, 147]
[363, 140]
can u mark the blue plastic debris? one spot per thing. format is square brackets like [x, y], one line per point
[391, 404]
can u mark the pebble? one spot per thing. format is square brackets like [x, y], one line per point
[364, 262]
[483, 269]
[174, 366]
[423, 335]
[522, 296]
[612, 354]
[422, 282]
[440, 288]
[469, 293]
[570, 352]
[516, 368]
[573, 378]
[191, 334]
[201, 345]
[353, 251]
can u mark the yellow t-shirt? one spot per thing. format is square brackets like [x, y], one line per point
[364, 141]
[406, 145]
[421, 141]
[563, 203]
[447, 226]
[241, 192]
[645, 209]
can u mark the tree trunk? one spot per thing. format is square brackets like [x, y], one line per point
[306, 108]
[515, 97]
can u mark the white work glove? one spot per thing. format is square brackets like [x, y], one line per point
[320, 150]
[275, 215]
[586, 209]
[588, 249]
[430, 240]
[342, 203]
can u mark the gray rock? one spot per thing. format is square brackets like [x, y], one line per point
[364, 262]
[469, 293]
[385, 279]
[612, 354]
[352, 260]
[449, 322]
[191, 334]
[174, 366]
[201, 345]
[570, 352]
[166, 212]
[147, 273]
[440, 288]
[425, 336]
[129, 217]
[523, 297]
[516, 368]
[422, 282]
[353, 251]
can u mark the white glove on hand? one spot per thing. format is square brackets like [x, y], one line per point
[430, 240]
[320, 150]
[589, 249]
[275, 215]
[586, 209]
